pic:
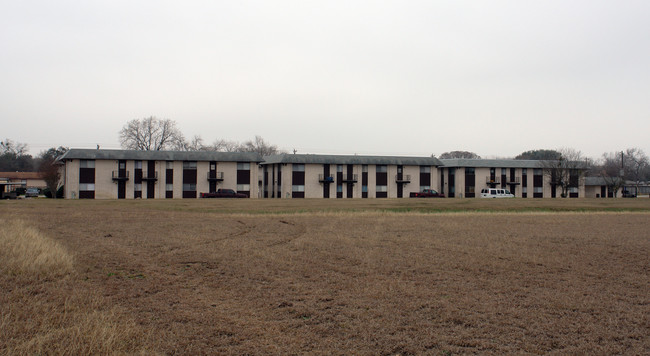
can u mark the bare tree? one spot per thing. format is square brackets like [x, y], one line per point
[459, 154]
[222, 145]
[50, 168]
[196, 144]
[260, 146]
[612, 171]
[13, 148]
[151, 134]
[14, 157]
[635, 166]
[566, 171]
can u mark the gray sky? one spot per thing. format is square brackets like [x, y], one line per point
[368, 77]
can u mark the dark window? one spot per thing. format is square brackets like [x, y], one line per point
[470, 182]
[189, 179]
[87, 179]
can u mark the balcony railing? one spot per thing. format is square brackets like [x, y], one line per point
[214, 176]
[514, 180]
[350, 178]
[150, 175]
[329, 178]
[120, 176]
[403, 178]
[495, 180]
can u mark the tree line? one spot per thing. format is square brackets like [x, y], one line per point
[14, 157]
[153, 134]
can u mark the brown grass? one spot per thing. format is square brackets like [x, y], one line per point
[41, 309]
[24, 250]
[325, 277]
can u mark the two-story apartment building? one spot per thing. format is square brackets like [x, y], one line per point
[128, 174]
[341, 176]
[465, 178]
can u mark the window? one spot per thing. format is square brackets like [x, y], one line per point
[364, 168]
[189, 187]
[503, 171]
[298, 167]
[88, 187]
[425, 169]
[382, 169]
[138, 164]
[86, 163]
[243, 166]
[339, 189]
[243, 187]
[573, 190]
[538, 189]
[382, 188]
[523, 171]
[524, 190]
[213, 166]
[189, 164]
[364, 189]
[169, 165]
[537, 171]
[137, 187]
[469, 170]
[169, 187]
[339, 168]
[469, 189]
[122, 165]
[423, 187]
[298, 188]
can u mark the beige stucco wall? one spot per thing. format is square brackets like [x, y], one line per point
[71, 180]
[105, 188]
[314, 188]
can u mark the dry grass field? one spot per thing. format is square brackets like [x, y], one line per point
[404, 276]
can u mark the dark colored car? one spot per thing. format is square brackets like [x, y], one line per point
[223, 193]
[427, 193]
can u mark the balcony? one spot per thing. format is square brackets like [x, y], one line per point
[350, 178]
[403, 178]
[495, 180]
[150, 176]
[214, 176]
[120, 176]
[329, 178]
[514, 180]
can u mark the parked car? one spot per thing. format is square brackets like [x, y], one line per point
[427, 193]
[496, 193]
[223, 193]
[628, 194]
[32, 192]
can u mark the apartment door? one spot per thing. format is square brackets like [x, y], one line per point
[121, 184]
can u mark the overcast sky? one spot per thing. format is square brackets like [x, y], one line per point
[341, 77]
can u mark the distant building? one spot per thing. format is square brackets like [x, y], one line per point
[23, 179]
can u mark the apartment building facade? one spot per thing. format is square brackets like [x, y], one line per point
[128, 174]
[346, 177]
[465, 178]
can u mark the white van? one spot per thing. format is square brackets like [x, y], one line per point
[496, 193]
